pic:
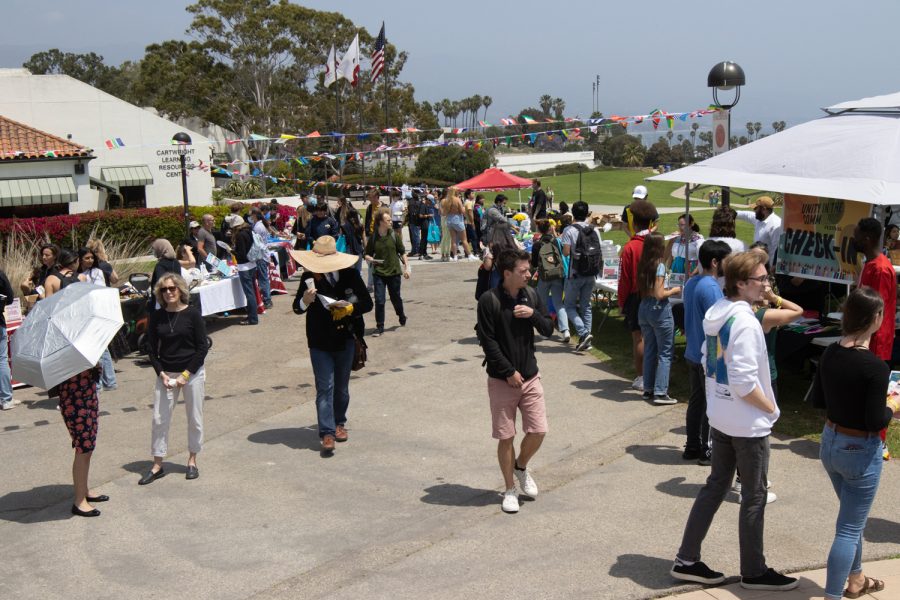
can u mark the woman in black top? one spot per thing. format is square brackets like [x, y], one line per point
[176, 337]
[65, 274]
[330, 330]
[352, 230]
[242, 243]
[851, 383]
[48, 254]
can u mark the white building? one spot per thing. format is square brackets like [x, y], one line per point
[134, 155]
[538, 161]
[40, 174]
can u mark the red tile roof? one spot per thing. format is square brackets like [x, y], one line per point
[19, 141]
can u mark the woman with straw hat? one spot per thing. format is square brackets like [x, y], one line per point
[334, 295]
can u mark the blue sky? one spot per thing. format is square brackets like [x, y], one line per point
[798, 55]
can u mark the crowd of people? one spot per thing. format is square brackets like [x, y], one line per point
[728, 309]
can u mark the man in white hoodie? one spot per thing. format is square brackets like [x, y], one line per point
[742, 410]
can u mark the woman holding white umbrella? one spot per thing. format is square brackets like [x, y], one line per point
[79, 404]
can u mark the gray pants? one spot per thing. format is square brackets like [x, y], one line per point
[751, 456]
[164, 400]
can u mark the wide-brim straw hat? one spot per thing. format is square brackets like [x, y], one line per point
[324, 257]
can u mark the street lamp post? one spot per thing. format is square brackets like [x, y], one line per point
[182, 140]
[725, 76]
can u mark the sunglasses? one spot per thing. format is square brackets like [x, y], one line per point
[171, 289]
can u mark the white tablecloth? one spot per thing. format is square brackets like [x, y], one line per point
[221, 296]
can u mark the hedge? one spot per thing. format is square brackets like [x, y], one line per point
[145, 224]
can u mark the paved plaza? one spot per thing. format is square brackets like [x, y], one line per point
[410, 506]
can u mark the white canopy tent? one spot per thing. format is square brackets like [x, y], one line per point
[851, 154]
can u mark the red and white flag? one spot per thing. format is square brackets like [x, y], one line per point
[349, 67]
[331, 68]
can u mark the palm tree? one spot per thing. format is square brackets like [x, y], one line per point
[733, 142]
[680, 137]
[446, 108]
[749, 128]
[633, 155]
[546, 103]
[453, 112]
[756, 127]
[486, 101]
[743, 140]
[475, 106]
[438, 109]
[694, 127]
[559, 108]
[669, 135]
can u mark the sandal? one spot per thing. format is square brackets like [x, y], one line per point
[870, 584]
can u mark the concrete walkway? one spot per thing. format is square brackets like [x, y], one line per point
[409, 507]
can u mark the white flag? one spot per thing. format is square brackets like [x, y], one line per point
[349, 67]
[331, 68]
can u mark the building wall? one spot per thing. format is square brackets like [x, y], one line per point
[54, 168]
[538, 161]
[64, 106]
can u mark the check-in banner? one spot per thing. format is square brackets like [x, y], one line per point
[816, 241]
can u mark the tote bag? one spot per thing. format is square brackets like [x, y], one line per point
[434, 232]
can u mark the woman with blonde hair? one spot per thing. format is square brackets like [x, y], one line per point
[177, 343]
[454, 218]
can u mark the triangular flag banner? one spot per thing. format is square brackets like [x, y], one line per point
[286, 136]
[484, 124]
[389, 130]
[670, 121]
[258, 138]
[528, 119]
[314, 134]
[533, 137]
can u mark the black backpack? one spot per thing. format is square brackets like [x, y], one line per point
[412, 210]
[588, 256]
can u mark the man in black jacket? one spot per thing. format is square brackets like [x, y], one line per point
[507, 317]
[334, 298]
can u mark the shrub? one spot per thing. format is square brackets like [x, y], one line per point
[127, 225]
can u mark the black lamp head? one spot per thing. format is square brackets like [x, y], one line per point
[181, 138]
[726, 75]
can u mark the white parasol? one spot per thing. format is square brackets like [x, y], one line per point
[65, 334]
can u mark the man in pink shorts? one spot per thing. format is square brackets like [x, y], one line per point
[507, 317]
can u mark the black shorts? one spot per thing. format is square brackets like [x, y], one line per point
[632, 304]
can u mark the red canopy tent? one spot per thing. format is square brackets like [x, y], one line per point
[494, 179]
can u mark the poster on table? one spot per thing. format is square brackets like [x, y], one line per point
[816, 238]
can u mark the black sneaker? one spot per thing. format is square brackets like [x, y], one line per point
[705, 459]
[770, 580]
[697, 572]
[647, 395]
[402, 320]
[691, 454]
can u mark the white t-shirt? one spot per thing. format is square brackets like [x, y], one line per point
[95, 276]
[397, 207]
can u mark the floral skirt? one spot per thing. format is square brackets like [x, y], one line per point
[79, 405]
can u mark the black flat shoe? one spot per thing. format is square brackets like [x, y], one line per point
[85, 513]
[100, 498]
[192, 472]
[150, 476]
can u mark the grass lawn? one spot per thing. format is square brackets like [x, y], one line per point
[614, 186]
[612, 346]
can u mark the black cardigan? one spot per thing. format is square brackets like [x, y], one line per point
[322, 332]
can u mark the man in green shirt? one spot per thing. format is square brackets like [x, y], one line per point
[384, 253]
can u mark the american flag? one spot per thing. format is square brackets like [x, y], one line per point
[378, 55]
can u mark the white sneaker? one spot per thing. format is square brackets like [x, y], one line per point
[453, 259]
[638, 384]
[473, 258]
[510, 501]
[770, 498]
[10, 405]
[566, 338]
[529, 487]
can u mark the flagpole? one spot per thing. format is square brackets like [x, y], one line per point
[386, 112]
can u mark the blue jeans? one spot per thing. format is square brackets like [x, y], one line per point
[413, 237]
[658, 331]
[554, 290]
[5, 377]
[578, 293]
[332, 373]
[247, 278]
[854, 466]
[392, 283]
[262, 274]
[108, 371]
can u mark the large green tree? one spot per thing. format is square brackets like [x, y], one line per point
[89, 68]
